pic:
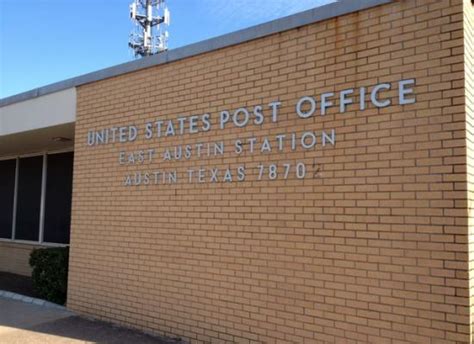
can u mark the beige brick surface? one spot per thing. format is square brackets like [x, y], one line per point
[469, 93]
[15, 257]
[372, 248]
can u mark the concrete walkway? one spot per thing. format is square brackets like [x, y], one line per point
[27, 323]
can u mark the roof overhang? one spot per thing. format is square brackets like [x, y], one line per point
[41, 112]
[38, 124]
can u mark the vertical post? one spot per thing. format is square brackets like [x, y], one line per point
[15, 197]
[149, 19]
[43, 198]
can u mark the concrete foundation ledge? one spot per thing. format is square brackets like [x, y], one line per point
[27, 299]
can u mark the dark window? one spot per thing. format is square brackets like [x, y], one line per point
[57, 220]
[29, 198]
[7, 192]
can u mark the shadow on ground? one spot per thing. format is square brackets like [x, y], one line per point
[27, 323]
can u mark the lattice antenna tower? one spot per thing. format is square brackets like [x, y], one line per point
[150, 35]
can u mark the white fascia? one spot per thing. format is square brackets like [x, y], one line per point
[41, 112]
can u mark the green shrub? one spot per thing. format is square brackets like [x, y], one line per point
[49, 276]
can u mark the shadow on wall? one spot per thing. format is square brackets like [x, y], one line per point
[17, 284]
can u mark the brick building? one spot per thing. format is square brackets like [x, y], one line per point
[305, 180]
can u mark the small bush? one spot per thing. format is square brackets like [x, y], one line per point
[49, 276]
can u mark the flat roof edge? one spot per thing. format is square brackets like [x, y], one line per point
[294, 21]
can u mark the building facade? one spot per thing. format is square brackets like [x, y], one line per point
[307, 180]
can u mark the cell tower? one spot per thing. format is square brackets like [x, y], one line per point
[150, 35]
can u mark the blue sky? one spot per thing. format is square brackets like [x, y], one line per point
[45, 41]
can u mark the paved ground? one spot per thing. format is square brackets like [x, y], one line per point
[23, 323]
[16, 284]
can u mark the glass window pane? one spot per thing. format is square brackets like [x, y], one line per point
[29, 198]
[7, 191]
[57, 219]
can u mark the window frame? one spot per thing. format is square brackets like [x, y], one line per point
[44, 177]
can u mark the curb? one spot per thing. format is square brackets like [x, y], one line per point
[27, 299]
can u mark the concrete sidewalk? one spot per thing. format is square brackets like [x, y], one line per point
[26, 323]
